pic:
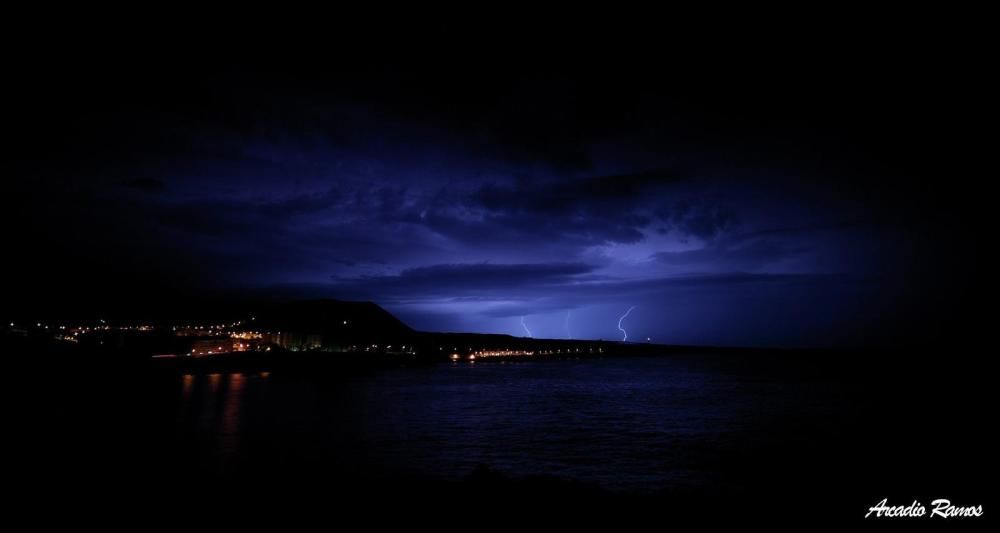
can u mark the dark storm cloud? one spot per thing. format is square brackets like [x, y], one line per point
[595, 195]
[479, 274]
[768, 250]
[589, 210]
[302, 237]
[538, 229]
[540, 287]
[490, 193]
[576, 211]
[145, 184]
[467, 281]
[336, 178]
[697, 218]
[303, 203]
[748, 256]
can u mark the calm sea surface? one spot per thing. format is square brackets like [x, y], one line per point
[630, 424]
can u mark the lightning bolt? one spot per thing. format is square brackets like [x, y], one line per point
[568, 334]
[525, 326]
[620, 328]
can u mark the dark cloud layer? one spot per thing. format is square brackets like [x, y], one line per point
[458, 281]
[465, 198]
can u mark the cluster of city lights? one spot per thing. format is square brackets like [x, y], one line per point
[485, 354]
[388, 348]
[500, 353]
[213, 339]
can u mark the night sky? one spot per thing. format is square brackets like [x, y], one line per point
[825, 198]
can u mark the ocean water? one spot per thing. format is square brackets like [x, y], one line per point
[733, 436]
[635, 425]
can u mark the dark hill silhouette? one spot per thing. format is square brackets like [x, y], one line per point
[349, 321]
